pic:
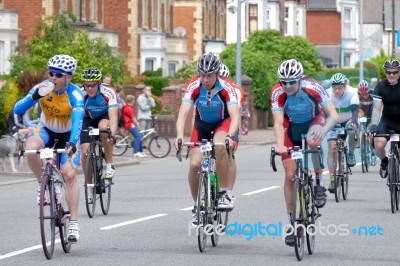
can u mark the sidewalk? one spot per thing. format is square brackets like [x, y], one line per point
[254, 137]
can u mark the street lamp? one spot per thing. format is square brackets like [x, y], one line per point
[238, 9]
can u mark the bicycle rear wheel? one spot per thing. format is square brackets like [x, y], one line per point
[202, 199]
[64, 227]
[90, 171]
[159, 147]
[105, 196]
[120, 146]
[311, 213]
[364, 153]
[345, 178]
[47, 217]
[298, 219]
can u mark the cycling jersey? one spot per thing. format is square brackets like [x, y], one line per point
[62, 111]
[390, 97]
[96, 107]
[211, 107]
[302, 107]
[366, 104]
[345, 104]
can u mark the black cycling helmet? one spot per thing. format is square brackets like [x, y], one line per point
[391, 63]
[209, 63]
[91, 74]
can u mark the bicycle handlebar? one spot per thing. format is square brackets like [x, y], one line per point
[289, 151]
[38, 151]
[199, 143]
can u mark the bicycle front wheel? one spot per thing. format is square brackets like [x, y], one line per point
[345, 179]
[311, 213]
[201, 212]
[120, 146]
[392, 183]
[90, 183]
[159, 147]
[364, 153]
[298, 219]
[105, 196]
[337, 173]
[47, 217]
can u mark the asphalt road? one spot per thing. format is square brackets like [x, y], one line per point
[148, 222]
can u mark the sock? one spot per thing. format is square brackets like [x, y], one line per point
[318, 178]
[223, 189]
[290, 217]
[73, 221]
[229, 192]
[332, 178]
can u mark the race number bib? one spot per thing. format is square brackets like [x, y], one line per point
[46, 153]
[205, 147]
[296, 155]
[394, 137]
[94, 132]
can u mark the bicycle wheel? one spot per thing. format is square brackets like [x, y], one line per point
[90, 171]
[64, 217]
[47, 217]
[159, 147]
[337, 173]
[364, 161]
[298, 219]
[345, 178]
[244, 127]
[120, 146]
[397, 191]
[216, 217]
[391, 181]
[311, 213]
[202, 211]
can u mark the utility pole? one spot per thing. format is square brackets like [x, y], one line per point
[282, 17]
[361, 41]
[239, 45]
[393, 32]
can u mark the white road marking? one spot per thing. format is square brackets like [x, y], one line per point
[259, 191]
[186, 209]
[18, 252]
[133, 221]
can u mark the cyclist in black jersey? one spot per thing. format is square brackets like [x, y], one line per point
[386, 93]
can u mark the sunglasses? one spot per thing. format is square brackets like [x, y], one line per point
[58, 75]
[289, 82]
[392, 72]
[90, 85]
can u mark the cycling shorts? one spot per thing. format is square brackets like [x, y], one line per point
[88, 122]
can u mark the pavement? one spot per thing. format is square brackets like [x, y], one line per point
[254, 137]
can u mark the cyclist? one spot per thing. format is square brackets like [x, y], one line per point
[132, 125]
[215, 102]
[386, 103]
[346, 102]
[298, 107]
[365, 107]
[101, 111]
[224, 72]
[61, 119]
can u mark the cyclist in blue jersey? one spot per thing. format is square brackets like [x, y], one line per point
[61, 118]
[217, 111]
[101, 111]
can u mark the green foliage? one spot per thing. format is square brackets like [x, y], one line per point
[187, 71]
[379, 61]
[8, 96]
[157, 84]
[151, 73]
[262, 54]
[54, 35]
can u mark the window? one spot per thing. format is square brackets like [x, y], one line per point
[93, 10]
[149, 64]
[268, 17]
[155, 14]
[78, 10]
[144, 14]
[286, 23]
[347, 59]
[347, 25]
[253, 17]
[172, 68]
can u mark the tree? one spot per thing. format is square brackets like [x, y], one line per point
[54, 35]
[262, 54]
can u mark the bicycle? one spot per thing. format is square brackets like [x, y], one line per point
[93, 172]
[54, 211]
[208, 192]
[305, 213]
[159, 146]
[244, 120]
[341, 168]
[393, 169]
[366, 151]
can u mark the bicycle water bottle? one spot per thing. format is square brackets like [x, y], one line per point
[212, 179]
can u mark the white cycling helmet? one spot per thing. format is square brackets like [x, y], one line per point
[338, 79]
[209, 63]
[290, 69]
[224, 71]
[62, 63]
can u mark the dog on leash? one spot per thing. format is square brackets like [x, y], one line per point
[7, 149]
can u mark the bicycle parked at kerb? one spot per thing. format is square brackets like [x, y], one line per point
[393, 168]
[54, 214]
[93, 171]
[367, 158]
[159, 146]
[305, 213]
[210, 218]
[341, 168]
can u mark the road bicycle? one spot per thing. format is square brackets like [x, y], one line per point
[158, 146]
[54, 214]
[341, 168]
[305, 213]
[210, 218]
[366, 151]
[244, 120]
[93, 171]
[393, 169]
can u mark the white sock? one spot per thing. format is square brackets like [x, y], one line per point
[223, 189]
[229, 193]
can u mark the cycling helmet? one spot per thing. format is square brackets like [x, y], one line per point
[338, 78]
[62, 64]
[363, 87]
[391, 63]
[209, 63]
[224, 71]
[91, 74]
[290, 69]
